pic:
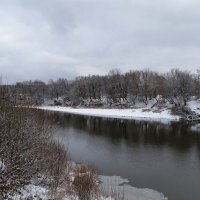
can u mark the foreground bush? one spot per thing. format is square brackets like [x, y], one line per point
[26, 148]
[85, 182]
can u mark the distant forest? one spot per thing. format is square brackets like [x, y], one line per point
[177, 86]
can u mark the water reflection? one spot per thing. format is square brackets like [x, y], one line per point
[175, 135]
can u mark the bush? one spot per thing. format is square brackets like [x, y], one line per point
[26, 147]
[85, 182]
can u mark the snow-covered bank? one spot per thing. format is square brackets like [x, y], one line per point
[35, 192]
[109, 184]
[136, 113]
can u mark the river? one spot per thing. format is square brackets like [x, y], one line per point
[160, 156]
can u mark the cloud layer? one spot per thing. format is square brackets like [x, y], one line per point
[63, 38]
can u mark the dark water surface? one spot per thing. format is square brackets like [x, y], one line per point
[163, 157]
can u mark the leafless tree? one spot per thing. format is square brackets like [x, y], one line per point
[179, 86]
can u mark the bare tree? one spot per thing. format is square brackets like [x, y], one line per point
[133, 84]
[179, 86]
[146, 85]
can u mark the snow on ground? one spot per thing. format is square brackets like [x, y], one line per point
[2, 165]
[31, 191]
[109, 184]
[194, 106]
[34, 192]
[128, 192]
[136, 113]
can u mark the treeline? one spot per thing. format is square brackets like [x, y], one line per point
[177, 86]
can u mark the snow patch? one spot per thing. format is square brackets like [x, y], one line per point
[31, 191]
[34, 192]
[137, 113]
[2, 165]
[194, 106]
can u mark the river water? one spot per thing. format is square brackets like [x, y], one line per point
[163, 157]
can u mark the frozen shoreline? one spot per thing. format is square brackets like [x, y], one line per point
[108, 184]
[127, 191]
[135, 113]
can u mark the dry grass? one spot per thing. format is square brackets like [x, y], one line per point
[146, 110]
[85, 182]
[156, 110]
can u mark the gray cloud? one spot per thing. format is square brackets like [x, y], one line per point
[50, 39]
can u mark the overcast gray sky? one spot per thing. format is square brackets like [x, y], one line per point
[43, 39]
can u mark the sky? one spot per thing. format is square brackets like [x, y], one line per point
[48, 39]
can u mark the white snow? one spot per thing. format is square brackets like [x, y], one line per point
[194, 106]
[2, 165]
[31, 191]
[136, 113]
[34, 192]
[128, 192]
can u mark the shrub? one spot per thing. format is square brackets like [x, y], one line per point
[26, 147]
[85, 182]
